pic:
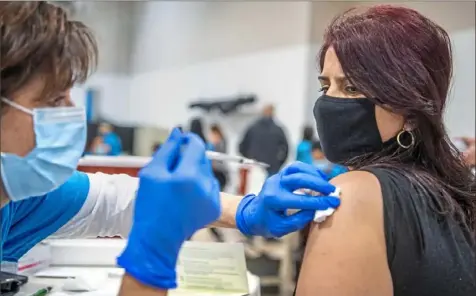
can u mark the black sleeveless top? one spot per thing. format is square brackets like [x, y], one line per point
[428, 255]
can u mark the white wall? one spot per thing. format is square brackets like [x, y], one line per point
[160, 98]
[113, 96]
[113, 28]
[219, 50]
[185, 51]
[460, 113]
[171, 34]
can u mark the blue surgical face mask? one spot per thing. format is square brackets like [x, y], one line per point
[60, 135]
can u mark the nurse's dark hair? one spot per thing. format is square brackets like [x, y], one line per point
[402, 61]
[39, 40]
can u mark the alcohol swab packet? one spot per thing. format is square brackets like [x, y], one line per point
[321, 216]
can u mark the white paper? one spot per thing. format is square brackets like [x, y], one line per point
[211, 269]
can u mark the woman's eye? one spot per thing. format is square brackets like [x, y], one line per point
[324, 89]
[351, 89]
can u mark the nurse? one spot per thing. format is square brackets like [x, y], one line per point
[43, 136]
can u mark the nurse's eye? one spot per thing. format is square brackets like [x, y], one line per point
[58, 101]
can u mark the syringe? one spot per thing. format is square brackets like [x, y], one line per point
[213, 155]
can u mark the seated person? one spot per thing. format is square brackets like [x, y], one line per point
[111, 139]
[218, 143]
[406, 224]
[304, 148]
[98, 147]
[319, 160]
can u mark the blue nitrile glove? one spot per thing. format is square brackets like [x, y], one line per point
[177, 195]
[265, 214]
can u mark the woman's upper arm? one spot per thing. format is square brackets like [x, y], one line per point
[346, 255]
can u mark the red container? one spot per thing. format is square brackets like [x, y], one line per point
[129, 165]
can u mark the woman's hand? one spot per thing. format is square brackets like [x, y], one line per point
[177, 195]
[265, 214]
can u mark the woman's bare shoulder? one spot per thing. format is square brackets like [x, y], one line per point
[346, 254]
[359, 188]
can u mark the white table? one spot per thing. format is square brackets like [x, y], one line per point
[94, 259]
[110, 287]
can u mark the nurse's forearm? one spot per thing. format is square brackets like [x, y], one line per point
[229, 205]
[131, 287]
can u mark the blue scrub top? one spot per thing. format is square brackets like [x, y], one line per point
[27, 222]
[336, 170]
[113, 140]
[304, 152]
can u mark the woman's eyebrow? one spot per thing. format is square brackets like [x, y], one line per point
[325, 78]
[338, 78]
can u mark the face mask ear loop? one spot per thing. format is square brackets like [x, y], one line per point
[16, 106]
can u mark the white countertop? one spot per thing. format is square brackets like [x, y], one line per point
[94, 261]
[107, 287]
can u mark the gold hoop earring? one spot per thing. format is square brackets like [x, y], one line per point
[399, 140]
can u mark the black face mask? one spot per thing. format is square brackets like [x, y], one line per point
[347, 128]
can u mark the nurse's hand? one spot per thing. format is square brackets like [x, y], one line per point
[265, 214]
[177, 195]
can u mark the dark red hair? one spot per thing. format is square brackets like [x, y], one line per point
[402, 61]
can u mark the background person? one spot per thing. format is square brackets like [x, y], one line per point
[265, 141]
[98, 147]
[110, 139]
[196, 127]
[304, 148]
[218, 143]
[331, 170]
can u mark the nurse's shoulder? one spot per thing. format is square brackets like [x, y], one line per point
[34, 219]
[69, 197]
